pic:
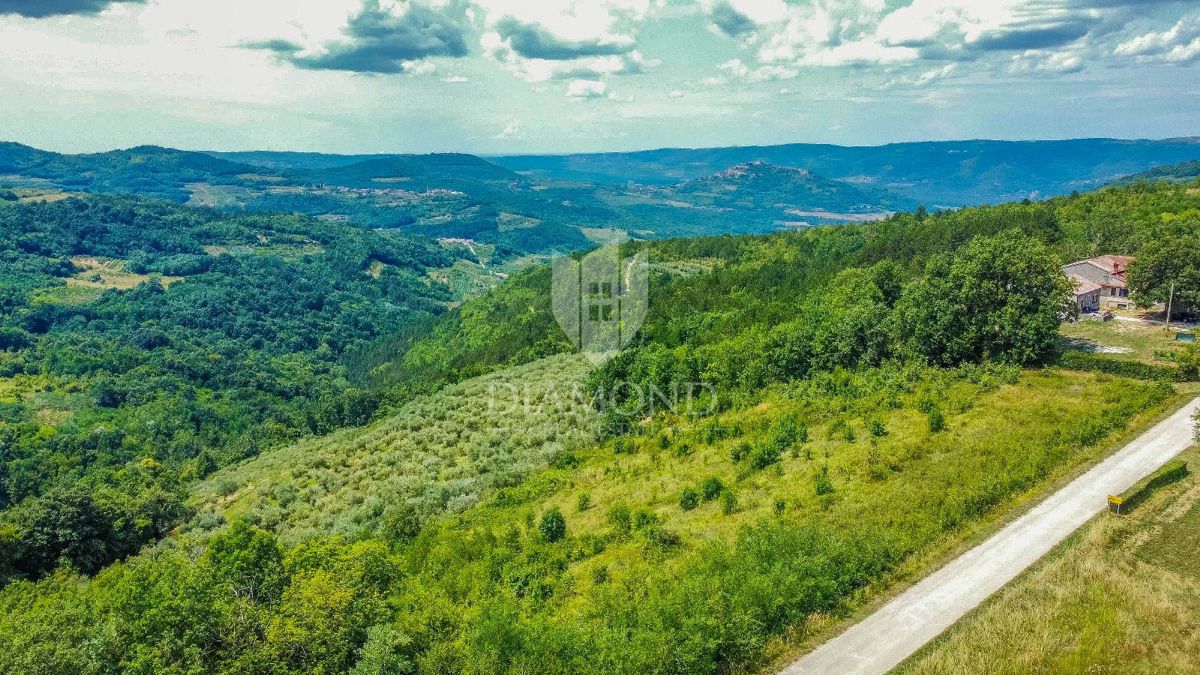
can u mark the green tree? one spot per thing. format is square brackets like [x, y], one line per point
[552, 526]
[998, 298]
[1171, 259]
[248, 560]
[383, 653]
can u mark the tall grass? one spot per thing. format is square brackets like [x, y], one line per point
[1112, 599]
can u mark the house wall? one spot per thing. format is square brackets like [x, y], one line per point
[1088, 302]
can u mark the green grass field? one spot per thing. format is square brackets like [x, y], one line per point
[1122, 596]
[1143, 342]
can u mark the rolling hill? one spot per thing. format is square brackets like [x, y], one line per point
[1184, 172]
[869, 417]
[942, 173]
[452, 196]
[788, 191]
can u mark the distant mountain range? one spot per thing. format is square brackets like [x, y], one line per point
[936, 173]
[541, 204]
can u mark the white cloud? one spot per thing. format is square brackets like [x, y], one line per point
[931, 76]
[455, 79]
[422, 67]
[511, 130]
[736, 69]
[586, 89]
[1036, 61]
[1178, 44]
[575, 38]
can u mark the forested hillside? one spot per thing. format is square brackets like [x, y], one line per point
[440, 196]
[712, 289]
[882, 391]
[144, 345]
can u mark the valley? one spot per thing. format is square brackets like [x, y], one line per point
[599, 337]
[374, 476]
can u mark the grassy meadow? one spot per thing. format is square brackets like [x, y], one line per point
[1121, 595]
[1135, 340]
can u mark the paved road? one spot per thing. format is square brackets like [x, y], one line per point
[890, 635]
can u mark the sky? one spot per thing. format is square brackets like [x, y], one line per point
[517, 76]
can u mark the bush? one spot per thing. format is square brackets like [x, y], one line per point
[553, 526]
[622, 446]
[584, 502]
[401, 522]
[1188, 361]
[877, 428]
[689, 499]
[711, 488]
[741, 451]
[764, 455]
[643, 519]
[565, 460]
[728, 502]
[821, 483]
[937, 422]
[620, 519]
[1098, 363]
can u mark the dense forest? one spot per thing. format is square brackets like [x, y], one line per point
[909, 361]
[144, 345]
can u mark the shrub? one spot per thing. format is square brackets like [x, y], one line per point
[565, 460]
[741, 451]
[877, 428]
[401, 522]
[936, 421]
[1188, 360]
[584, 502]
[689, 499]
[764, 455]
[553, 526]
[728, 502]
[840, 428]
[821, 483]
[600, 575]
[780, 507]
[711, 488]
[643, 519]
[1099, 363]
[1171, 472]
[660, 540]
[620, 519]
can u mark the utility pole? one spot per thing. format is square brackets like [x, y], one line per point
[1170, 299]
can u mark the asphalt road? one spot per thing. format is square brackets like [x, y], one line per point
[902, 626]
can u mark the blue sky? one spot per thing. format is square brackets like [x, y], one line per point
[511, 76]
